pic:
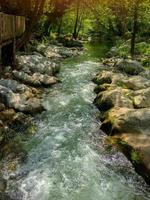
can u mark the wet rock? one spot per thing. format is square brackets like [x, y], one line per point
[130, 67]
[35, 79]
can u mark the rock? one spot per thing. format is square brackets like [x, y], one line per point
[3, 128]
[31, 106]
[2, 107]
[15, 86]
[20, 102]
[3, 185]
[7, 115]
[103, 77]
[145, 74]
[4, 196]
[50, 53]
[37, 63]
[36, 79]
[130, 67]
[141, 98]
[113, 98]
[133, 83]
[127, 120]
[101, 88]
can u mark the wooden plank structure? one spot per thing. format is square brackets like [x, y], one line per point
[11, 27]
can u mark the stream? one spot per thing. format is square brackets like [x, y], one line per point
[67, 158]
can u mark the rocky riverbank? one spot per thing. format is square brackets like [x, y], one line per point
[123, 98]
[21, 92]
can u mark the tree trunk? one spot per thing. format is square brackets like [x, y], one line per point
[59, 27]
[75, 34]
[134, 31]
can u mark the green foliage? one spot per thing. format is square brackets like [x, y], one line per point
[142, 50]
[135, 156]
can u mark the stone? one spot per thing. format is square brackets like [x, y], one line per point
[117, 97]
[145, 74]
[130, 67]
[141, 98]
[20, 102]
[35, 79]
[15, 86]
[7, 115]
[103, 77]
[3, 185]
[127, 120]
[132, 83]
[2, 107]
[37, 63]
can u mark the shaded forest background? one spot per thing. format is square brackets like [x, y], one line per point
[82, 19]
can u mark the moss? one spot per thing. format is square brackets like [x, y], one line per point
[31, 130]
[135, 157]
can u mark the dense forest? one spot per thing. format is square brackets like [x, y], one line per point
[74, 99]
[110, 20]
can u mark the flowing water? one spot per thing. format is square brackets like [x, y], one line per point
[67, 159]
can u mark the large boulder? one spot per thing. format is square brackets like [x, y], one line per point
[103, 77]
[20, 102]
[109, 77]
[117, 97]
[132, 83]
[127, 120]
[130, 67]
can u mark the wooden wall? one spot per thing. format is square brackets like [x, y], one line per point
[10, 26]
